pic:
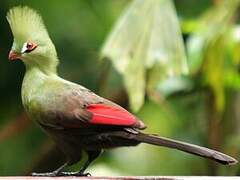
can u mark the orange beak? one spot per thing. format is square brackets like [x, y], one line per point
[13, 56]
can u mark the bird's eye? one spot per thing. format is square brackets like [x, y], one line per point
[28, 47]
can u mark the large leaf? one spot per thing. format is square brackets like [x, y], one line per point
[146, 36]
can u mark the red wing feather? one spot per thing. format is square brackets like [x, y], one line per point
[107, 115]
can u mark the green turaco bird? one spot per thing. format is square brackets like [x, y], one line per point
[76, 118]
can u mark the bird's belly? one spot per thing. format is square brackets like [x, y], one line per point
[86, 139]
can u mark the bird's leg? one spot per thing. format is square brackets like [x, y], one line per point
[92, 155]
[57, 172]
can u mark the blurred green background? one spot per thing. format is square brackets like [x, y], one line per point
[203, 109]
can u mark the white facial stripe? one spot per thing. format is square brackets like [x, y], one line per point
[24, 48]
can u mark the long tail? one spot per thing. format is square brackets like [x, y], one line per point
[182, 146]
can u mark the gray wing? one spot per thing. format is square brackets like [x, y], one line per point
[68, 108]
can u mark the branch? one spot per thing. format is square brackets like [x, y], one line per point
[100, 178]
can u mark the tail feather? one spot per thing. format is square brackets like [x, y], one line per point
[186, 147]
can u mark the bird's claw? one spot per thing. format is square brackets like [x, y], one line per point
[75, 174]
[48, 174]
[54, 174]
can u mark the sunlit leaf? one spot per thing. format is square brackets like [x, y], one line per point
[146, 35]
[207, 48]
[234, 44]
[214, 23]
[231, 71]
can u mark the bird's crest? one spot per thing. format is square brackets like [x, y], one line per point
[26, 24]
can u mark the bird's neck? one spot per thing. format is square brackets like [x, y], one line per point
[33, 82]
[42, 65]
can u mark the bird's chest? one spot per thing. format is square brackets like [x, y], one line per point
[35, 98]
[33, 105]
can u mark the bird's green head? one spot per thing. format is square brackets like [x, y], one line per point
[31, 43]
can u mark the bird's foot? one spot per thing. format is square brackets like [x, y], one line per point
[47, 174]
[79, 173]
[54, 174]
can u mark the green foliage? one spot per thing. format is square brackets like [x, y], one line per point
[212, 50]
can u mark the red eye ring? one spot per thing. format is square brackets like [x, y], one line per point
[29, 46]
